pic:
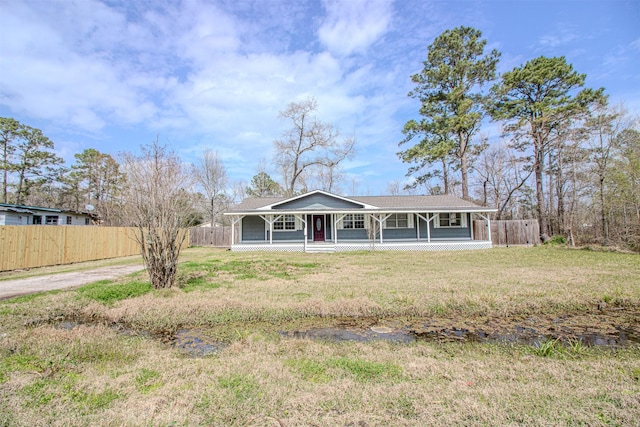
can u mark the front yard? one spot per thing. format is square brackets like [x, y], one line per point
[544, 336]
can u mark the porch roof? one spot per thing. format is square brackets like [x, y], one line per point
[370, 204]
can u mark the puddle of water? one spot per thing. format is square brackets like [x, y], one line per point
[354, 335]
[521, 335]
[195, 343]
[200, 343]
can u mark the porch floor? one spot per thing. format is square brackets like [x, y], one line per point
[345, 246]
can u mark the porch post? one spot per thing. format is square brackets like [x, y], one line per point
[304, 248]
[271, 230]
[427, 221]
[233, 227]
[335, 227]
[237, 219]
[380, 221]
[418, 226]
[428, 228]
[471, 223]
[488, 228]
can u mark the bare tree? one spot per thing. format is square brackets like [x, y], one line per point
[211, 175]
[158, 203]
[603, 127]
[329, 178]
[309, 143]
[502, 176]
[394, 188]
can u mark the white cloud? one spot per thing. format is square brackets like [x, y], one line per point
[353, 26]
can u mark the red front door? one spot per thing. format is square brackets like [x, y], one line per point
[318, 228]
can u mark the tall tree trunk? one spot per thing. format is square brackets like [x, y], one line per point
[560, 197]
[465, 177]
[603, 216]
[5, 160]
[538, 169]
[549, 208]
[445, 176]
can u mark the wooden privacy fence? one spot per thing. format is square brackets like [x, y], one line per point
[508, 232]
[207, 236]
[30, 246]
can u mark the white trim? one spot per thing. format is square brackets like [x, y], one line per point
[445, 245]
[301, 196]
[463, 220]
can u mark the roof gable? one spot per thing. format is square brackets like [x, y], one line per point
[318, 200]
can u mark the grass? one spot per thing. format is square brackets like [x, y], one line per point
[92, 374]
[108, 292]
[67, 268]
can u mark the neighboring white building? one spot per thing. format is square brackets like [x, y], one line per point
[35, 215]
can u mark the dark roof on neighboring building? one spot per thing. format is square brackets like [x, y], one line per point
[30, 209]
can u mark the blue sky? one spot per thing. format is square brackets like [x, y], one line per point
[111, 75]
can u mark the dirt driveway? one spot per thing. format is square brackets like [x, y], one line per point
[12, 288]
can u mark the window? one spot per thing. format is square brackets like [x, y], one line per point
[353, 221]
[52, 219]
[37, 219]
[450, 220]
[87, 221]
[285, 222]
[398, 221]
[69, 219]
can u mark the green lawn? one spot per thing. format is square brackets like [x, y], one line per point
[98, 355]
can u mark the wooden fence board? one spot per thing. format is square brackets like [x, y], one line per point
[206, 236]
[508, 232]
[30, 246]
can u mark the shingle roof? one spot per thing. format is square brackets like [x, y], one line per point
[439, 201]
[381, 202]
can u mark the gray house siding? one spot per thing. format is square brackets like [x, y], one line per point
[445, 233]
[287, 235]
[9, 218]
[399, 233]
[253, 228]
[318, 201]
[328, 225]
[350, 234]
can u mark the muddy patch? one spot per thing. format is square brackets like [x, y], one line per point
[615, 329]
[192, 342]
[353, 335]
[520, 335]
[197, 342]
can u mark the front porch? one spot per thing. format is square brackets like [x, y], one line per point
[323, 222]
[345, 246]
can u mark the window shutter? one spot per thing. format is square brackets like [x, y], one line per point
[384, 223]
[298, 222]
[367, 220]
[436, 221]
[410, 220]
[463, 219]
[340, 225]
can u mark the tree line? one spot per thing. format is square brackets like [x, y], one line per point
[308, 155]
[565, 157]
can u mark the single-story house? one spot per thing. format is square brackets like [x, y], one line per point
[323, 222]
[35, 215]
